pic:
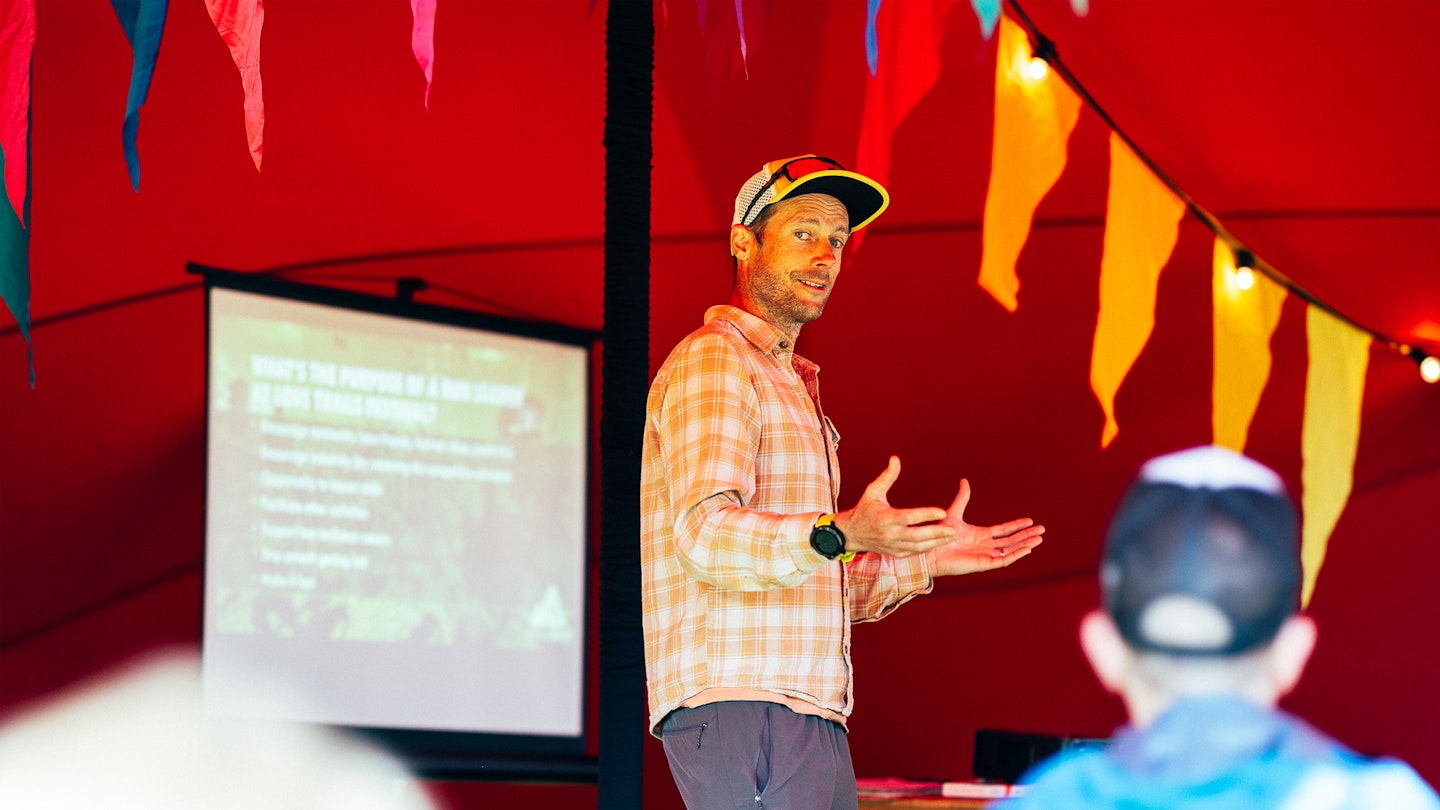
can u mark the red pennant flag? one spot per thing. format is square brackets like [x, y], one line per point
[239, 23]
[907, 65]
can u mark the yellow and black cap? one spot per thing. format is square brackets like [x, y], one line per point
[864, 199]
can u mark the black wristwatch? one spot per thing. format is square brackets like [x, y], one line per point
[828, 541]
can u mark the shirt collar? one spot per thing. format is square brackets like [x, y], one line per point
[764, 335]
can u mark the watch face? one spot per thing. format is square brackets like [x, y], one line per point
[827, 540]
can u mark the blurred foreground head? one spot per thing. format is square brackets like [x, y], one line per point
[136, 739]
[1202, 557]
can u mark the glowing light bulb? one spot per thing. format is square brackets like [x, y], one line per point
[1244, 278]
[1037, 68]
[1430, 369]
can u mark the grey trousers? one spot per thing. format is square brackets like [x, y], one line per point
[744, 755]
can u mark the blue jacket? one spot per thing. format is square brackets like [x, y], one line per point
[1222, 753]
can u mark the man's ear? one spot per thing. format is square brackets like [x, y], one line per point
[1105, 649]
[1290, 652]
[742, 242]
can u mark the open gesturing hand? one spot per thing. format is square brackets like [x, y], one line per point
[874, 525]
[981, 548]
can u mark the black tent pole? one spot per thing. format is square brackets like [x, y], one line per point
[625, 364]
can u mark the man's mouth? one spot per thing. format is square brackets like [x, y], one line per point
[814, 285]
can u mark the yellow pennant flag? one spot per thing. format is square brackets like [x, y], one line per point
[1334, 387]
[1035, 112]
[1247, 310]
[1142, 222]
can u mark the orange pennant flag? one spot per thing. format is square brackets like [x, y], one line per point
[1035, 112]
[239, 23]
[1247, 310]
[1330, 436]
[1142, 222]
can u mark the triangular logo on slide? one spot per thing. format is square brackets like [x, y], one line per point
[548, 620]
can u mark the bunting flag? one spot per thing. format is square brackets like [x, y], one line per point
[15, 272]
[872, 36]
[1142, 222]
[239, 23]
[1033, 121]
[1330, 435]
[740, 27]
[901, 73]
[17, 43]
[725, 31]
[988, 13]
[422, 41]
[144, 23]
[1244, 321]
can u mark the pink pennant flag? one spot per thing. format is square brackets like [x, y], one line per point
[744, 47]
[1142, 223]
[422, 41]
[17, 43]
[239, 23]
[727, 29]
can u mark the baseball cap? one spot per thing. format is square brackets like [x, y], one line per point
[1202, 556]
[864, 198]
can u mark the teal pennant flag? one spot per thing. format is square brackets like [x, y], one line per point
[988, 13]
[144, 24]
[17, 43]
[15, 268]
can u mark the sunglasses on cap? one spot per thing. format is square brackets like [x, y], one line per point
[792, 170]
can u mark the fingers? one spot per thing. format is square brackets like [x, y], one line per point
[1010, 557]
[1011, 527]
[920, 514]
[1003, 557]
[962, 499]
[917, 540]
[1017, 543]
[879, 488]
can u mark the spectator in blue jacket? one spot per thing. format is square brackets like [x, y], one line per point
[1201, 635]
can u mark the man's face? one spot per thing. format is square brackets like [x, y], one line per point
[793, 269]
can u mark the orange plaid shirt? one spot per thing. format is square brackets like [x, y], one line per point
[736, 469]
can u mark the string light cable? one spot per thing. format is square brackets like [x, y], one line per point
[1043, 48]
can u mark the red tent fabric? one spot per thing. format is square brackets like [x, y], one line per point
[1304, 125]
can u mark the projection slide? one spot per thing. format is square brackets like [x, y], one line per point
[395, 521]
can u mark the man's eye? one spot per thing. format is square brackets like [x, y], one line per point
[802, 235]
[837, 243]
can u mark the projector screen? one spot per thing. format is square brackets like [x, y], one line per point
[395, 518]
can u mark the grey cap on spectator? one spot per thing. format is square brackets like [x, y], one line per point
[1202, 556]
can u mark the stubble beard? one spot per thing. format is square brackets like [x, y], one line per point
[782, 306]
